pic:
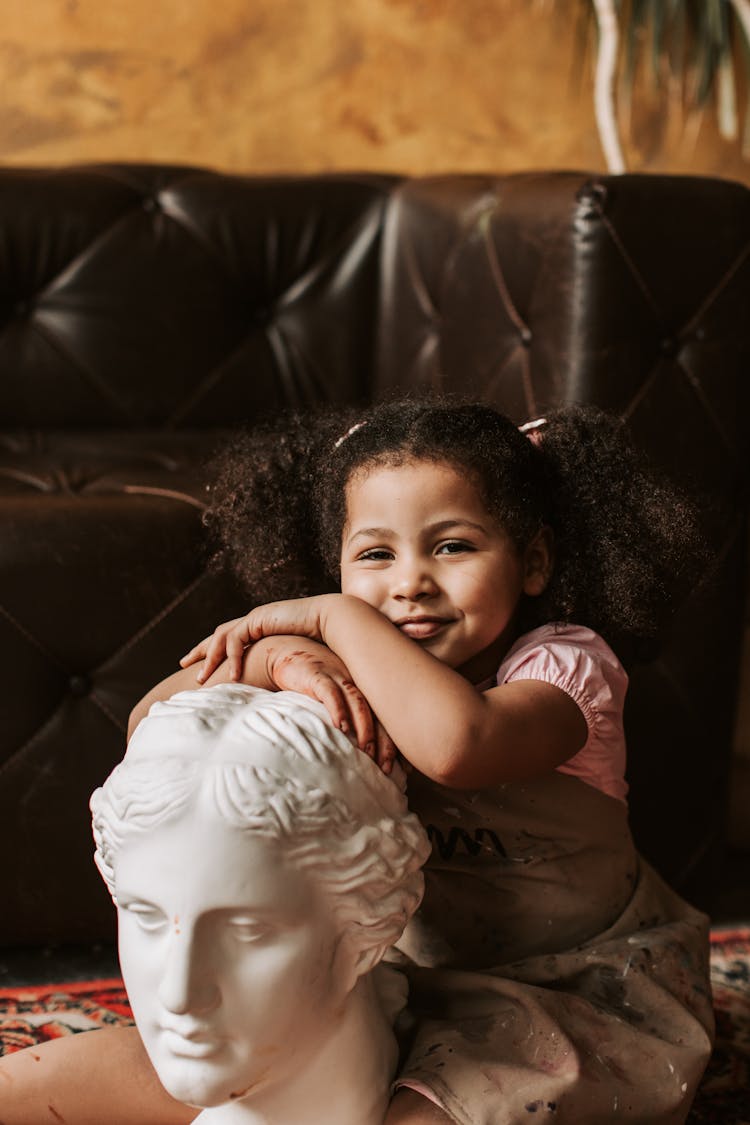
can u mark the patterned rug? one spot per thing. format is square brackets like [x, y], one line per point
[724, 1094]
[37, 1014]
[34, 1014]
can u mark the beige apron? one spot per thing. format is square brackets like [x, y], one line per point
[553, 975]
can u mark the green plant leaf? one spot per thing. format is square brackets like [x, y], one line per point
[691, 40]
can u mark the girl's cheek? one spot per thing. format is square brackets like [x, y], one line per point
[347, 585]
[351, 586]
[359, 586]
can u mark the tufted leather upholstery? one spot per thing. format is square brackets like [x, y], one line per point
[145, 309]
[631, 293]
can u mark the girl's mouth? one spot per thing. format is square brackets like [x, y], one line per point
[422, 628]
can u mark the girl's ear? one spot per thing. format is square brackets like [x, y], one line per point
[538, 562]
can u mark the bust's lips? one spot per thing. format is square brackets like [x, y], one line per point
[192, 1044]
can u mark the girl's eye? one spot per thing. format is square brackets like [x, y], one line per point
[375, 554]
[454, 547]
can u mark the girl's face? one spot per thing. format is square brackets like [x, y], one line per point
[420, 546]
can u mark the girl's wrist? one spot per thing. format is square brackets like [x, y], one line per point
[342, 617]
[330, 608]
[258, 664]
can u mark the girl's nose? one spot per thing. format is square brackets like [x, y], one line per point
[414, 581]
[188, 981]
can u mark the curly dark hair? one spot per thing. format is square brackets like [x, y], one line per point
[626, 543]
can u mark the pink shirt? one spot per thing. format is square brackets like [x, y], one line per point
[579, 662]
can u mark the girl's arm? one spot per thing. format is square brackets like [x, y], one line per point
[88, 1079]
[293, 663]
[456, 735]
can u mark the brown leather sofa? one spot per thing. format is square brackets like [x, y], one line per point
[148, 309]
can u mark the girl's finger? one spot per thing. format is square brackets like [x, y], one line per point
[347, 708]
[201, 650]
[361, 717]
[216, 653]
[197, 653]
[386, 750]
[328, 692]
[236, 643]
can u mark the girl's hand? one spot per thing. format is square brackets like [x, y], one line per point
[298, 664]
[199, 651]
[299, 616]
[386, 751]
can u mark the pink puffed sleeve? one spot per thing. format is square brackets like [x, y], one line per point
[581, 664]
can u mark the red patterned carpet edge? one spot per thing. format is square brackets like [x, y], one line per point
[34, 1014]
[724, 1094]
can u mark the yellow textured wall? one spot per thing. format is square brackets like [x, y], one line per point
[414, 86]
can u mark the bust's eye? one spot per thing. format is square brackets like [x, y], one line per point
[247, 930]
[147, 917]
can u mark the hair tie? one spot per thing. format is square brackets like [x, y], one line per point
[533, 430]
[352, 430]
[529, 427]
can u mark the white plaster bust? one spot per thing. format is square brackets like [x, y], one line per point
[261, 867]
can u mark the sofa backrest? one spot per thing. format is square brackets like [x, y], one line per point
[631, 292]
[146, 309]
[172, 298]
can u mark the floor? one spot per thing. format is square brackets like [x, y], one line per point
[732, 902]
[57, 965]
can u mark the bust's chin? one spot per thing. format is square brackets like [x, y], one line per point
[200, 1084]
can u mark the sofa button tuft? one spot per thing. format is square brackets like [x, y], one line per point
[79, 685]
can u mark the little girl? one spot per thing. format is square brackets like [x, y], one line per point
[487, 576]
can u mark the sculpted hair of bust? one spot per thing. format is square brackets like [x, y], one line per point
[261, 866]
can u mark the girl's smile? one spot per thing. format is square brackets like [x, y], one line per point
[420, 546]
[422, 626]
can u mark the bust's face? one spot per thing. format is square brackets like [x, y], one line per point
[229, 956]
